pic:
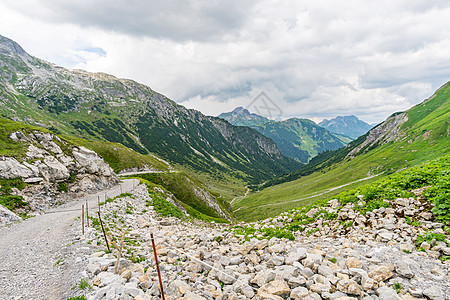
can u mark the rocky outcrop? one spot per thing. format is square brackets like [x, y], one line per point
[388, 131]
[55, 169]
[7, 216]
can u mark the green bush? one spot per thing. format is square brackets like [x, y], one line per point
[62, 187]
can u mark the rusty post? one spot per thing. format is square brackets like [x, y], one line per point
[116, 268]
[103, 229]
[98, 202]
[82, 218]
[87, 214]
[157, 266]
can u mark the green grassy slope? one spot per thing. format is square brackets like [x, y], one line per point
[424, 136]
[434, 175]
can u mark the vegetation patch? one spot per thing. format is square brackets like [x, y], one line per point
[10, 201]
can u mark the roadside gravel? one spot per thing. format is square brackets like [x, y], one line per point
[43, 257]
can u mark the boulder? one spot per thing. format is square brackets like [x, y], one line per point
[7, 216]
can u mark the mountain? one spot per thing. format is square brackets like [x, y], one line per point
[102, 107]
[242, 117]
[300, 139]
[403, 140]
[349, 126]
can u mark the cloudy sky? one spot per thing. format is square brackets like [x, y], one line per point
[314, 59]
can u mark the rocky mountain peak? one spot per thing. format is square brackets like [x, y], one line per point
[349, 126]
[240, 110]
[7, 44]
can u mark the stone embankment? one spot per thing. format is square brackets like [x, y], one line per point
[356, 256]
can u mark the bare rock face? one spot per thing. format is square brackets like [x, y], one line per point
[46, 166]
[87, 161]
[11, 168]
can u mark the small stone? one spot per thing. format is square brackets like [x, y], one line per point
[299, 293]
[381, 273]
[190, 295]
[387, 293]
[296, 281]
[425, 246]
[434, 293]
[385, 235]
[418, 293]
[325, 271]
[276, 287]
[320, 288]
[352, 262]
[403, 269]
[446, 250]
[126, 274]
[348, 286]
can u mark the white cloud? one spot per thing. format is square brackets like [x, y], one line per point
[314, 59]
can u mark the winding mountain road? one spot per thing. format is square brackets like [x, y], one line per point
[42, 257]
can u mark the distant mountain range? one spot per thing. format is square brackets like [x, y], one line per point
[102, 107]
[301, 139]
[349, 126]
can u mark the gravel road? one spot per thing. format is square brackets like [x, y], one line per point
[42, 257]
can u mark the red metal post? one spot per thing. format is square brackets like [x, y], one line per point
[103, 229]
[87, 214]
[82, 218]
[157, 266]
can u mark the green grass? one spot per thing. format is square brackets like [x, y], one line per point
[8, 147]
[120, 157]
[379, 193]
[12, 202]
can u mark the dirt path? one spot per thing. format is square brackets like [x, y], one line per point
[40, 257]
[240, 197]
[324, 192]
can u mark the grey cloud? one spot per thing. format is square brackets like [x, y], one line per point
[317, 58]
[169, 19]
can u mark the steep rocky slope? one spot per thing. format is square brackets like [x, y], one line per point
[100, 106]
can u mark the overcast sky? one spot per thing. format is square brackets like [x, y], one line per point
[314, 59]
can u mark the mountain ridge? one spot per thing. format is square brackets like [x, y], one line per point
[102, 107]
[349, 126]
[300, 139]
